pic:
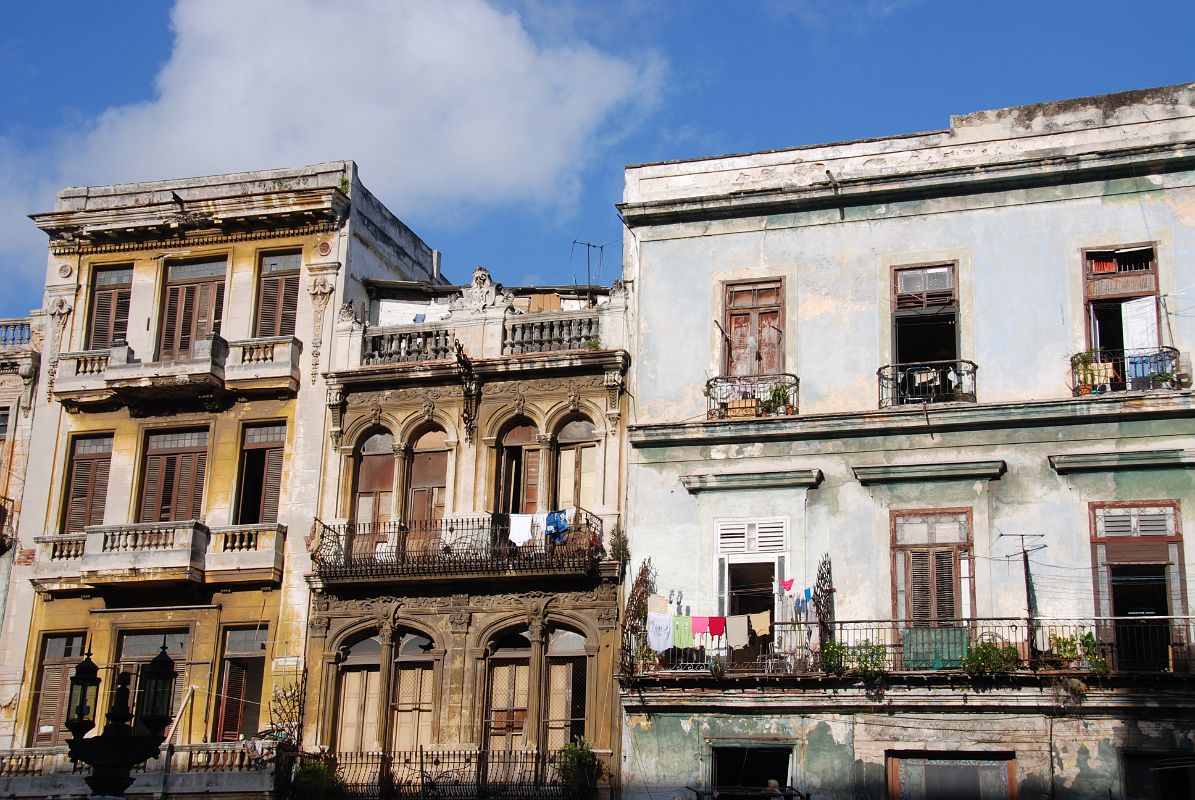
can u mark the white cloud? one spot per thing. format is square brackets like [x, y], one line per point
[444, 105]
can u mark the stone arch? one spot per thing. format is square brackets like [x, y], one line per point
[415, 425]
[562, 413]
[504, 418]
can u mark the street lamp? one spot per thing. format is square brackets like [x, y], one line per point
[113, 754]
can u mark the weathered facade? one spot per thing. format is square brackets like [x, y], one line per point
[458, 635]
[904, 354]
[178, 441]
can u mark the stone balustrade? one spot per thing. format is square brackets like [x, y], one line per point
[551, 332]
[396, 344]
[263, 363]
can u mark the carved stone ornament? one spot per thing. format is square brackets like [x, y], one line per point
[59, 311]
[347, 313]
[321, 289]
[336, 406]
[65, 270]
[459, 620]
[480, 294]
[324, 249]
[607, 617]
[429, 408]
[375, 413]
[319, 626]
[535, 628]
[574, 396]
[520, 402]
[28, 375]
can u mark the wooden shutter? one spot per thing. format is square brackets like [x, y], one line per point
[429, 473]
[151, 489]
[87, 489]
[768, 333]
[272, 488]
[109, 318]
[742, 361]
[232, 701]
[172, 482]
[49, 726]
[945, 580]
[413, 705]
[193, 307]
[530, 481]
[920, 588]
[168, 347]
[278, 303]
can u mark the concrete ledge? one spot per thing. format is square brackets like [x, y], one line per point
[939, 471]
[786, 479]
[1112, 461]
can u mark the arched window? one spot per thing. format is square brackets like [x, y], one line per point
[429, 477]
[558, 677]
[518, 471]
[356, 703]
[576, 465]
[414, 701]
[373, 498]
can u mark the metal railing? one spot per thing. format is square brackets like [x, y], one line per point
[1099, 371]
[552, 331]
[1100, 645]
[749, 396]
[951, 381]
[403, 343]
[450, 775]
[15, 333]
[453, 546]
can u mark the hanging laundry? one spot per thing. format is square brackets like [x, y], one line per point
[808, 594]
[736, 631]
[701, 625]
[659, 631]
[520, 528]
[761, 623]
[717, 626]
[657, 604]
[788, 584]
[556, 526]
[682, 631]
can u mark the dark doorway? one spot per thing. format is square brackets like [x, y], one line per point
[751, 587]
[928, 336]
[1139, 594]
[1159, 776]
[749, 769]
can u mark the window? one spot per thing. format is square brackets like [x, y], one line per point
[357, 729]
[410, 702]
[925, 320]
[1138, 554]
[172, 476]
[413, 708]
[5, 417]
[751, 560]
[576, 465]
[60, 654]
[193, 306]
[1159, 776]
[932, 567]
[373, 499]
[262, 452]
[111, 294]
[518, 471]
[1123, 314]
[929, 776]
[429, 477]
[277, 294]
[561, 680]
[742, 772]
[87, 482]
[135, 649]
[754, 328]
[241, 676]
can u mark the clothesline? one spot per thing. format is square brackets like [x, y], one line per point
[666, 630]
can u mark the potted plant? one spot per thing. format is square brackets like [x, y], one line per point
[580, 769]
[833, 655]
[1083, 371]
[1161, 380]
[777, 402]
[987, 659]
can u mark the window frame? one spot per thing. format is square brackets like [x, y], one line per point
[1092, 279]
[278, 445]
[964, 555]
[728, 288]
[72, 459]
[65, 665]
[1176, 586]
[201, 469]
[94, 292]
[284, 277]
[175, 352]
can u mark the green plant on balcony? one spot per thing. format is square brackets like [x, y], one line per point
[1083, 366]
[593, 343]
[1078, 652]
[777, 400]
[316, 779]
[988, 658]
[580, 769]
[834, 657]
[1161, 380]
[871, 661]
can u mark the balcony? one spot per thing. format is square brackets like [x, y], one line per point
[458, 774]
[159, 553]
[1100, 646]
[1097, 372]
[217, 369]
[268, 363]
[927, 382]
[228, 769]
[751, 396]
[447, 549]
[404, 344]
[550, 332]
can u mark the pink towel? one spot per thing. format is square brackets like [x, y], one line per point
[717, 626]
[701, 625]
[788, 584]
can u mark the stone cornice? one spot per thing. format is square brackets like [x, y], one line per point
[908, 420]
[937, 471]
[1112, 461]
[488, 370]
[785, 479]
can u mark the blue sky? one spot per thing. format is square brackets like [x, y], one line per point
[499, 131]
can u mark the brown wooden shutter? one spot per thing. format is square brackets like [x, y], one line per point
[290, 306]
[945, 607]
[1135, 551]
[86, 493]
[272, 486]
[530, 481]
[268, 306]
[920, 591]
[190, 493]
[232, 702]
[151, 489]
[111, 294]
[100, 337]
[769, 342]
[742, 361]
[49, 726]
[170, 322]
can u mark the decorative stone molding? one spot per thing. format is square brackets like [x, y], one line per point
[782, 479]
[940, 471]
[470, 391]
[319, 626]
[1114, 461]
[323, 285]
[607, 618]
[544, 439]
[381, 606]
[27, 372]
[336, 407]
[480, 294]
[60, 310]
[459, 621]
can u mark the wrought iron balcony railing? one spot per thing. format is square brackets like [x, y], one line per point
[430, 549]
[426, 773]
[1100, 371]
[1099, 645]
[750, 396]
[951, 381]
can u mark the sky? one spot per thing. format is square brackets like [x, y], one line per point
[498, 130]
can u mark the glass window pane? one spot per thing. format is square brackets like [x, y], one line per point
[579, 430]
[565, 478]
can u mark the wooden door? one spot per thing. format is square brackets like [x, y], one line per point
[172, 477]
[413, 705]
[193, 307]
[110, 297]
[506, 712]
[754, 327]
[277, 295]
[87, 484]
[357, 711]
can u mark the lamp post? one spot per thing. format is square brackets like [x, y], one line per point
[113, 754]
